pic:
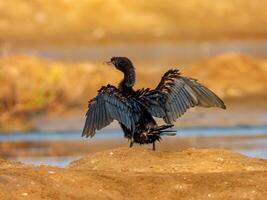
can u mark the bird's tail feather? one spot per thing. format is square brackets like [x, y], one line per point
[162, 130]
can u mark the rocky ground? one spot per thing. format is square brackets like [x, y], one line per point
[139, 173]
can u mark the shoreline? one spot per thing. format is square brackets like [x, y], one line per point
[138, 173]
[60, 152]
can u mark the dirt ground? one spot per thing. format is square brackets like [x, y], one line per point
[140, 173]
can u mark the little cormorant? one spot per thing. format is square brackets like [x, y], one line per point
[135, 109]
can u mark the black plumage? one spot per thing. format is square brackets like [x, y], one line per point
[135, 109]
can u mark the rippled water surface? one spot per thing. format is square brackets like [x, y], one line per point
[54, 147]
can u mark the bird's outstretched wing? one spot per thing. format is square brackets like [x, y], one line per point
[175, 94]
[107, 106]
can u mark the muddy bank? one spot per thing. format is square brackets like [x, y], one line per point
[139, 173]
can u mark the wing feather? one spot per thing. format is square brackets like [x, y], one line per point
[107, 106]
[175, 94]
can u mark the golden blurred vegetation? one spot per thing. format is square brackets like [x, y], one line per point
[232, 75]
[116, 21]
[31, 84]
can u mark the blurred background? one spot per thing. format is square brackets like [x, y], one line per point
[51, 64]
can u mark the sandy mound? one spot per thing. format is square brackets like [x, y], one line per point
[138, 173]
[232, 74]
[190, 160]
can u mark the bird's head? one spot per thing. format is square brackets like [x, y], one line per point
[121, 63]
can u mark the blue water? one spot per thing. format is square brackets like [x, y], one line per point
[115, 133]
[243, 146]
[59, 161]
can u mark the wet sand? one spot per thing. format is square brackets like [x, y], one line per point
[138, 173]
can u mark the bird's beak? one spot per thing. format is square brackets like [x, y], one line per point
[109, 63]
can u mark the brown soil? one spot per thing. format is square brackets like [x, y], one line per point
[139, 173]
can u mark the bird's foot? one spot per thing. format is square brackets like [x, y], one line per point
[131, 143]
[154, 146]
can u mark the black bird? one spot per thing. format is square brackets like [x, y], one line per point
[135, 109]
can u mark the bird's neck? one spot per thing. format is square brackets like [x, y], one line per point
[128, 80]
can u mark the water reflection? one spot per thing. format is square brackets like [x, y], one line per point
[59, 148]
[60, 161]
[114, 133]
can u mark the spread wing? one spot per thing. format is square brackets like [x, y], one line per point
[107, 106]
[175, 94]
